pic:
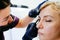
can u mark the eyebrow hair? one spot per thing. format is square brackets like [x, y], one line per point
[46, 16]
[49, 16]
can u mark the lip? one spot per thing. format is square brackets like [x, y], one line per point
[40, 33]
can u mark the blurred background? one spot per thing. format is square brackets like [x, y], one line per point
[21, 10]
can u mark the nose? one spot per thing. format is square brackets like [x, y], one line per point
[40, 25]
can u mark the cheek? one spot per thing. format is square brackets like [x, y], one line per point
[48, 32]
[51, 30]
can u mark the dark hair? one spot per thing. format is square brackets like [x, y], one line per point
[4, 3]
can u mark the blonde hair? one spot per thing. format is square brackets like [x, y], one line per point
[54, 5]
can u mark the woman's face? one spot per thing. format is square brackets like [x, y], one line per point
[49, 24]
[4, 15]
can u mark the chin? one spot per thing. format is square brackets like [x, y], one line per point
[44, 38]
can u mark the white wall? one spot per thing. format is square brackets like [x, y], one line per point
[17, 33]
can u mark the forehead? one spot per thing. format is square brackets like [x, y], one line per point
[49, 11]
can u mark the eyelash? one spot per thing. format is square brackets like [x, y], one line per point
[45, 20]
[48, 20]
[6, 18]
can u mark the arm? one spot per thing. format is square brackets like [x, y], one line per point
[24, 22]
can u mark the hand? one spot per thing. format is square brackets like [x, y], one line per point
[34, 12]
[31, 32]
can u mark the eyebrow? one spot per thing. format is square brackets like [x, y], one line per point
[47, 16]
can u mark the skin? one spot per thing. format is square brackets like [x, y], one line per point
[5, 18]
[49, 24]
[4, 13]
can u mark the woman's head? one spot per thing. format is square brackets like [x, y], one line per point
[4, 3]
[4, 11]
[49, 21]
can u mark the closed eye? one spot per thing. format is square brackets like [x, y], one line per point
[6, 18]
[48, 20]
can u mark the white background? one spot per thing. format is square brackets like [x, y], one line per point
[17, 33]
